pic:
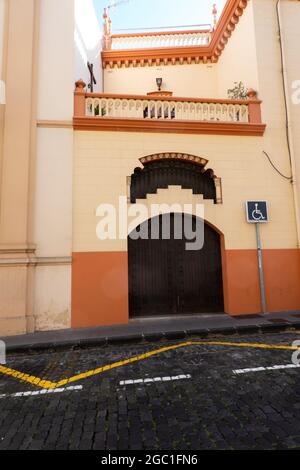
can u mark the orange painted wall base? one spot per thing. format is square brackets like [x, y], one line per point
[241, 281]
[100, 284]
[99, 289]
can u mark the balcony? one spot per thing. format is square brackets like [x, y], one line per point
[158, 40]
[139, 113]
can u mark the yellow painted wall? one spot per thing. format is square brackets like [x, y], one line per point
[103, 160]
[290, 17]
[16, 312]
[36, 179]
[198, 80]
[252, 55]
[238, 61]
[270, 82]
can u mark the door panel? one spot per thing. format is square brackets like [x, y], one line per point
[165, 278]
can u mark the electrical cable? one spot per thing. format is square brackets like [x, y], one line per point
[290, 178]
[284, 84]
[276, 169]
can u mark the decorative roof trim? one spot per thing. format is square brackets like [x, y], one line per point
[230, 17]
[174, 156]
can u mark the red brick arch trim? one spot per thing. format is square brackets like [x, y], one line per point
[174, 156]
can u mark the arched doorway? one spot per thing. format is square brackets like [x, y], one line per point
[165, 278]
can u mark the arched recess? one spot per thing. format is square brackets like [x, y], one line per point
[165, 169]
[165, 278]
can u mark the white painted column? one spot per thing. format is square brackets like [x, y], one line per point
[52, 218]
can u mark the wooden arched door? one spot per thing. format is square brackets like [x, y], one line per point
[165, 278]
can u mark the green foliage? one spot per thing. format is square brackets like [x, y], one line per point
[238, 92]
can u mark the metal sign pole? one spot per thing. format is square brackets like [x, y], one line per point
[261, 269]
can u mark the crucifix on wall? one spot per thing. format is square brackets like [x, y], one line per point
[92, 79]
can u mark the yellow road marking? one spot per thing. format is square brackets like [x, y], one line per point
[50, 385]
[27, 378]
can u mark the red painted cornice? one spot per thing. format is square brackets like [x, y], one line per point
[231, 14]
[176, 126]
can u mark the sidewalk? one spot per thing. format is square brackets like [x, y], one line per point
[203, 325]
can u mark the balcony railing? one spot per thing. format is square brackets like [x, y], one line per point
[180, 109]
[146, 41]
[167, 114]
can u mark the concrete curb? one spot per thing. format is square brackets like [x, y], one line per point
[204, 333]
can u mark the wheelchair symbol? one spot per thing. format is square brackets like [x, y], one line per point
[257, 215]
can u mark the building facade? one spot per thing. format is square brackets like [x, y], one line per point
[178, 140]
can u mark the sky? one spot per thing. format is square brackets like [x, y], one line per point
[143, 14]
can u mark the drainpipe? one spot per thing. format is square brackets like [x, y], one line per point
[289, 130]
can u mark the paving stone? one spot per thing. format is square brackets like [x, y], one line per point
[214, 409]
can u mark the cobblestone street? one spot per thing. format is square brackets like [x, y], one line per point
[192, 397]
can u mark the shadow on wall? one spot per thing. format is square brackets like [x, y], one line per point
[88, 40]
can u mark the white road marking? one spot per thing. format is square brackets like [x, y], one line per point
[42, 392]
[259, 369]
[155, 379]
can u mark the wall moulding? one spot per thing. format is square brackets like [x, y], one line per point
[179, 127]
[54, 124]
[35, 261]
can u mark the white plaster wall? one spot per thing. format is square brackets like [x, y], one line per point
[56, 60]
[196, 80]
[53, 204]
[53, 228]
[87, 40]
[53, 173]
[69, 37]
[52, 297]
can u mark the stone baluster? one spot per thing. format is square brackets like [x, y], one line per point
[107, 41]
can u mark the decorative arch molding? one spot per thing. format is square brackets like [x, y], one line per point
[174, 156]
[161, 170]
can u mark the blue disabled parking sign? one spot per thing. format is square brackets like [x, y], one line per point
[257, 212]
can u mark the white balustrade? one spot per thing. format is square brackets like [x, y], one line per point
[161, 40]
[166, 109]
